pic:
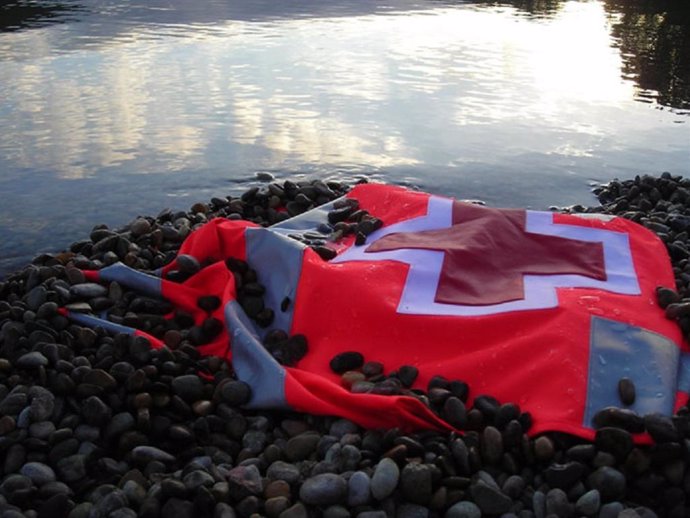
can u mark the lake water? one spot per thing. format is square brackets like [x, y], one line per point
[114, 108]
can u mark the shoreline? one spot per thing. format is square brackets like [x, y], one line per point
[89, 420]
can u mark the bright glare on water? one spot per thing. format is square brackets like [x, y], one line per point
[114, 109]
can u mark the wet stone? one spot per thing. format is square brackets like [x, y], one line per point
[626, 391]
[563, 476]
[359, 489]
[324, 489]
[88, 290]
[32, 360]
[588, 504]
[235, 393]
[609, 482]
[619, 418]
[490, 499]
[385, 479]
[346, 361]
[416, 483]
[616, 441]
[464, 509]
[660, 427]
[189, 387]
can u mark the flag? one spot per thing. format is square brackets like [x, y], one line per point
[543, 309]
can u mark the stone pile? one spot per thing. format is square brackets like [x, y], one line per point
[96, 425]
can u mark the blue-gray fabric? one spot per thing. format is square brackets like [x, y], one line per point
[142, 282]
[684, 373]
[619, 350]
[91, 321]
[277, 260]
[252, 363]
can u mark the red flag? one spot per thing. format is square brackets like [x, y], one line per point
[546, 310]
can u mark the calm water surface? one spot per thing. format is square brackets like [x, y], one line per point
[114, 108]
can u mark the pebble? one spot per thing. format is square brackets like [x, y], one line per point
[489, 498]
[32, 360]
[588, 504]
[626, 391]
[464, 509]
[346, 361]
[385, 479]
[609, 482]
[324, 489]
[359, 489]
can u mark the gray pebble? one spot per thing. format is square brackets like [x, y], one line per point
[32, 360]
[588, 504]
[359, 489]
[38, 472]
[324, 489]
[385, 479]
[464, 509]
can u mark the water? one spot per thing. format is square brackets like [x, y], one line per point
[115, 108]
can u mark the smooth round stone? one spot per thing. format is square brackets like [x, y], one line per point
[489, 498]
[370, 369]
[336, 511]
[464, 509]
[188, 264]
[301, 446]
[346, 361]
[189, 387]
[32, 360]
[661, 428]
[563, 476]
[324, 489]
[235, 393]
[358, 489]
[95, 411]
[618, 418]
[146, 454]
[626, 391]
[100, 378]
[41, 430]
[139, 227]
[544, 449]
[276, 505]
[416, 483]
[36, 297]
[615, 441]
[197, 478]
[455, 412]
[385, 479]
[407, 374]
[119, 424]
[295, 511]
[610, 510]
[38, 472]
[7, 424]
[557, 503]
[281, 470]
[88, 290]
[609, 482]
[492, 445]
[42, 403]
[72, 468]
[588, 504]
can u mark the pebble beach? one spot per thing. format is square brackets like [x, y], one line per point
[95, 424]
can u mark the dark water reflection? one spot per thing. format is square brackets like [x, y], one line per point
[110, 109]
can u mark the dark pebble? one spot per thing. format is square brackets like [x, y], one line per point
[609, 482]
[324, 489]
[346, 361]
[626, 391]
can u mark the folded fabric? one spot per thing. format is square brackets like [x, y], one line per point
[544, 309]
